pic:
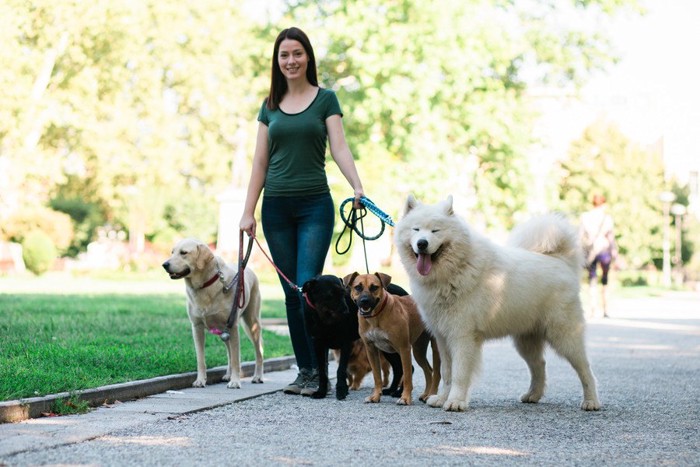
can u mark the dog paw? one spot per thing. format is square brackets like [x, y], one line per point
[530, 398]
[257, 380]
[455, 405]
[590, 405]
[318, 395]
[199, 383]
[234, 385]
[435, 401]
[403, 401]
[341, 393]
[372, 399]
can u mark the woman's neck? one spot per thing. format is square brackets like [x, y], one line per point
[298, 87]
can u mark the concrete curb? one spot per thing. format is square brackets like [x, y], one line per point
[34, 407]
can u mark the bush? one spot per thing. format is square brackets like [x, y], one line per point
[633, 278]
[86, 216]
[57, 225]
[38, 252]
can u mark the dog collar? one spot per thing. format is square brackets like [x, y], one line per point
[378, 309]
[210, 281]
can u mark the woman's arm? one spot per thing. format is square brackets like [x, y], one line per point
[261, 160]
[342, 155]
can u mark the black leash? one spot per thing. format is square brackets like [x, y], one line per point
[350, 222]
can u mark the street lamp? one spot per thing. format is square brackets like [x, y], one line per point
[678, 211]
[666, 198]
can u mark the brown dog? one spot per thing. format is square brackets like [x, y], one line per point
[358, 365]
[392, 324]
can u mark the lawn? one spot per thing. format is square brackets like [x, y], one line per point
[58, 335]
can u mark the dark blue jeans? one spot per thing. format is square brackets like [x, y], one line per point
[298, 231]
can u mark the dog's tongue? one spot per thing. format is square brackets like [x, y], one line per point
[424, 264]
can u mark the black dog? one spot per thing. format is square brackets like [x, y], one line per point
[331, 320]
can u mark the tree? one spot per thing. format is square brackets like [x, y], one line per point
[125, 99]
[136, 105]
[434, 90]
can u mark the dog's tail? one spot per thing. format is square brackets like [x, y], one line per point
[550, 234]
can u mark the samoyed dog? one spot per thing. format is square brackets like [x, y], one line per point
[469, 289]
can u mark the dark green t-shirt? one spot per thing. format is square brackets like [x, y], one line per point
[297, 146]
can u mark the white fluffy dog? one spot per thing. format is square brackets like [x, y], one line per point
[210, 287]
[470, 289]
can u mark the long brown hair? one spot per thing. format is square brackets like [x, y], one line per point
[278, 84]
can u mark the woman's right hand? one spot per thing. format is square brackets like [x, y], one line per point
[248, 224]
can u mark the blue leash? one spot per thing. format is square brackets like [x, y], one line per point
[366, 202]
[350, 222]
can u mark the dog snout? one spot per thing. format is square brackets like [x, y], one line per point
[166, 266]
[365, 301]
[422, 245]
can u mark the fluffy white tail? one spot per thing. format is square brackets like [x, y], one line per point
[550, 234]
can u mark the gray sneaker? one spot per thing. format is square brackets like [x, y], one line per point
[298, 384]
[311, 385]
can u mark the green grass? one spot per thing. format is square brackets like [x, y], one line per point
[54, 342]
[70, 406]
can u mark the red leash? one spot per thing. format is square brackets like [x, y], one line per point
[239, 297]
[292, 284]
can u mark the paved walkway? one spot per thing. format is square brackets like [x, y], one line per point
[646, 359]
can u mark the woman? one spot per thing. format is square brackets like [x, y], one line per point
[295, 121]
[598, 239]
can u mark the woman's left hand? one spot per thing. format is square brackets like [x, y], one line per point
[359, 193]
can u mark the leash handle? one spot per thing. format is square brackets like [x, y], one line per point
[352, 223]
[386, 218]
[239, 294]
[242, 263]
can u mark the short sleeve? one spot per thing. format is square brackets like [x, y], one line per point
[332, 105]
[262, 115]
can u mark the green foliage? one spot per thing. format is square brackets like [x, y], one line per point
[86, 216]
[605, 161]
[688, 225]
[71, 406]
[436, 93]
[137, 107]
[191, 215]
[38, 252]
[134, 98]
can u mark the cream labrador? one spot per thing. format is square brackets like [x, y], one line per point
[210, 285]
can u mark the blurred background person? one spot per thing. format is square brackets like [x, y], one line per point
[598, 240]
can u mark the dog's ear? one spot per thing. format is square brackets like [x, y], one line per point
[385, 279]
[447, 204]
[411, 202]
[308, 285]
[204, 255]
[348, 280]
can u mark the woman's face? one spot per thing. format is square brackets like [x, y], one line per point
[293, 59]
